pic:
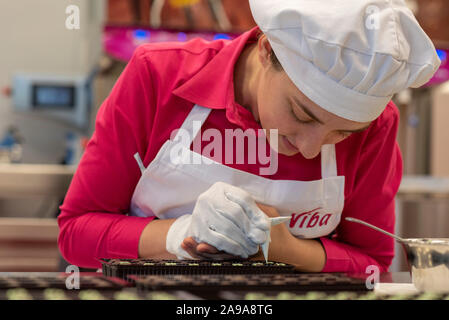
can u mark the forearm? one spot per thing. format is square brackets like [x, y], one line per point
[85, 238]
[152, 243]
[307, 255]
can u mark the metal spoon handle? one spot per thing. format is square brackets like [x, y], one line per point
[375, 228]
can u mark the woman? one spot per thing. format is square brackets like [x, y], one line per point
[318, 78]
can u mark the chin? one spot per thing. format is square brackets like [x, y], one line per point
[310, 158]
[288, 153]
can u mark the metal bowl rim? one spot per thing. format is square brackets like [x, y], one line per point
[430, 241]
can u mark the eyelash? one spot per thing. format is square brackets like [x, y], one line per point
[343, 134]
[297, 119]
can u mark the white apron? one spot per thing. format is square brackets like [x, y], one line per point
[170, 187]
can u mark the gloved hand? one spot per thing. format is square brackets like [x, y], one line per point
[224, 216]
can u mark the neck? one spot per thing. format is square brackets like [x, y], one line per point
[245, 80]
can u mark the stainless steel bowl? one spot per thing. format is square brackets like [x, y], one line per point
[428, 260]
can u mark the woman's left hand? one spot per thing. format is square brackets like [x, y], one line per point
[280, 238]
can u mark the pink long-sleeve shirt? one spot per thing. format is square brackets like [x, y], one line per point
[153, 96]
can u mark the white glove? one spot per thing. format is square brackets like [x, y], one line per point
[224, 216]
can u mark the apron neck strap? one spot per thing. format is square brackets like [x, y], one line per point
[328, 161]
[192, 124]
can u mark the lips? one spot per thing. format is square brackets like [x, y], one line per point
[289, 144]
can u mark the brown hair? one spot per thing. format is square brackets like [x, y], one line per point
[275, 62]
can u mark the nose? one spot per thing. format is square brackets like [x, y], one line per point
[309, 144]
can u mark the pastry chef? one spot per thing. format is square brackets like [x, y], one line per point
[315, 80]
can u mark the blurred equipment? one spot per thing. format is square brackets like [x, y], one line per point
[422, 206]
[183, 3]
[47, 72]
[428, 259]
[433, 16]
[423, 134]
[11, 146]
[439, 131]
[48, 76]
[422, 211]
[119, 42]
[67, 98]
[212, 15]
[216, 10]
[442, 73]
[423, 197]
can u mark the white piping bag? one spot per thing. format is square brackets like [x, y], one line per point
[266, 244]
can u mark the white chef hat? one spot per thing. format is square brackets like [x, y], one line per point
[348, 56]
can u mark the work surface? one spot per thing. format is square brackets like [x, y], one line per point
[96, 286]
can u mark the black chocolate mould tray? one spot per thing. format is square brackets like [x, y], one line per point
[297, 282]
[121, 268]
[336, 295]
[38, 280]
[130, 294]
[82, 294]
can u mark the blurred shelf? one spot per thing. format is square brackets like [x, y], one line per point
[28, 229]
[29, 244]
[424, 185]
[21, 180]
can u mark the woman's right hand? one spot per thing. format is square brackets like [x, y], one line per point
[225, 217]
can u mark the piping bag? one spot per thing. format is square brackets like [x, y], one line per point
[266, 244]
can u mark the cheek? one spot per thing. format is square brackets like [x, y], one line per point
[265, 101]
[336, 139]
[273, 114]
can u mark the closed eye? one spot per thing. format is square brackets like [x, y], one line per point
[343, 133]
[297, 119]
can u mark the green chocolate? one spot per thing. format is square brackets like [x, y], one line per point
[160, 296]
[126, 295]
[55, 294]
[90, 295]
[18, 294]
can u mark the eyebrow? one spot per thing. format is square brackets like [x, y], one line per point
[310, 114]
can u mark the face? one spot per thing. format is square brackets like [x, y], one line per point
[303, 126]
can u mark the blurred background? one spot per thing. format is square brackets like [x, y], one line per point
[59, 60]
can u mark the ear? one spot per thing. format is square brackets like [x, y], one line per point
[264, 50]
